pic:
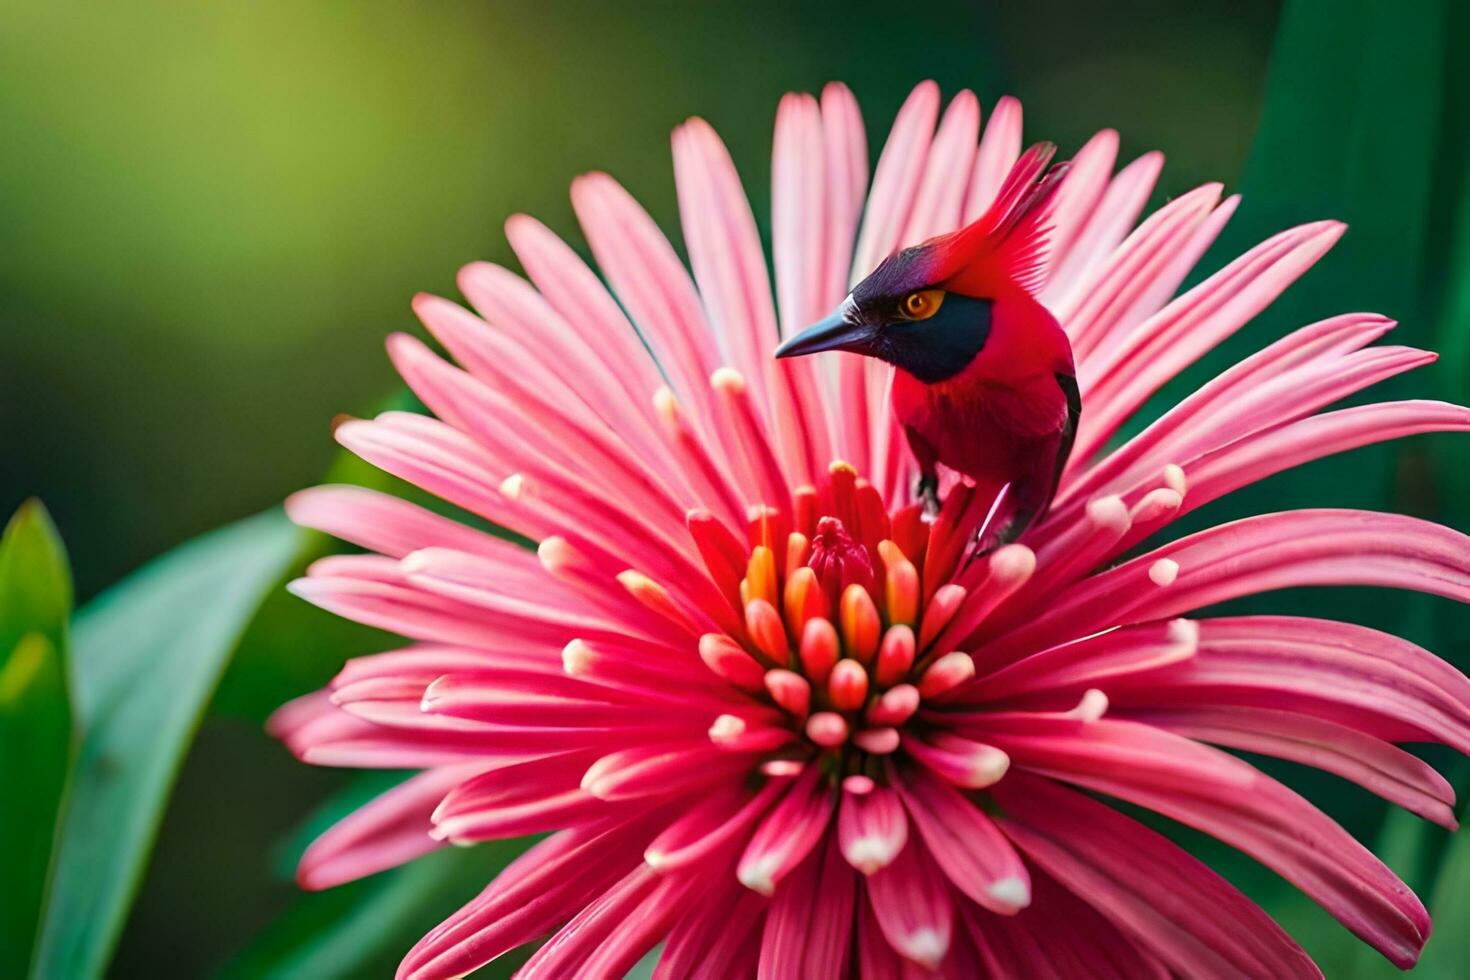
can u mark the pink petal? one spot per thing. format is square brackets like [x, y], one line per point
[725, 250]
[1256, 554]
[1115, 215]
[1187, 915]
[809, 928]
[1030, 945]
[999, 149]
[872, 828]
[518, 800]
[719, 937]
[897, 178]
[940, 197]
[649, 279]
[1116, 383]
[1130, 271]
[1370, 681]
[585, 304]
[722, 816]
[390, 830]
[1228, 799]
[787, 833]
[1370, 762]
[967, 846]
[551, 882]
[911, 903]
[1094, 661]
[391, 525]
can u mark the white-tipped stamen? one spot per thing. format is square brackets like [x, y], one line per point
[1173, 477]
[727, 380]
[1163, 572]
[1092, 707]
[757, 875]
[726, 728]
[577, 658]
[1011, 892]
[1108, 513]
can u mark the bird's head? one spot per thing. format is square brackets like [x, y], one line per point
[928, 309]
[902, 314]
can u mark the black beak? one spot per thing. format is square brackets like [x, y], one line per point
[838, 331]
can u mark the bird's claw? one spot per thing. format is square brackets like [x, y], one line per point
[927, 491]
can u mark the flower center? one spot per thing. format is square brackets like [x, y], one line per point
[842, 643]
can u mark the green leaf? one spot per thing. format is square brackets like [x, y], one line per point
[147, 655]
[36, 733]
[35, 583]
[1447, 953]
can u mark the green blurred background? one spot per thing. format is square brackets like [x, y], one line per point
[213, 213]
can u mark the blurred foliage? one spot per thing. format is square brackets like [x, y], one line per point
[37, 737]
[210, 211]
[146, 657]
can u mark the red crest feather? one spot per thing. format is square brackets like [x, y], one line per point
[1010, 242]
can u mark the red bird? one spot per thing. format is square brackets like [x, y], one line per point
[985, 382]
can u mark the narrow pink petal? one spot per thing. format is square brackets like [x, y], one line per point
[576, 449]
[535, 330]
[1131, 270]
[725, 250]
[722, 816]
[518, 800]
[1370, 762]
[436, 458]
[554, 880]
[420, 615]
[329, 736]
[939, 201]
[1228, 799]
[660, 769]
[651, 282]
[1029, 945]
[846, 144]
[719, 936]
[1257, 554]
[1288, 397]
[799, 226]
[1080, 193]
[390, 830]
[612, 933]
[809, 928]
[876, 959]
[1094, 661]
[967, 845]
[1000, 147]
[390, 525]
[1165, 281]
[1248, 461]
[787, 833]
[1115, 385]
[1137, 878]
[576, 292]
[872, 828]
[1159, 443]
[847, 184]
[911, 902]
[897, 178]
[1372, 682]
[1111, 221]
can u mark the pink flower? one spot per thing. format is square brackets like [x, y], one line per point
[777, 722]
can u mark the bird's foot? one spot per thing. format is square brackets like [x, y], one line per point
[927, 491]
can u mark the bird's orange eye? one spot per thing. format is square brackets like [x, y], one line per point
[921, 305]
